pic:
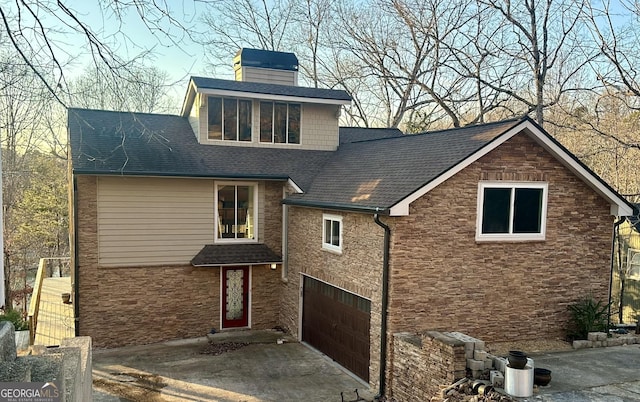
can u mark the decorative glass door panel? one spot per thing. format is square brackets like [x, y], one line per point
[235, 297]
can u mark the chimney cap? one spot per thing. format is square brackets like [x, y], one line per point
[247, 57]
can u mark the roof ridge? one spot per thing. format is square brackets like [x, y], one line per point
[445, 130]
[122, 112]
[491, 123]
[372, 128]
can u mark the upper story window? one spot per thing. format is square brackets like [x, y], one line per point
[228, 119]
[236, 213]
[511, 211]
[280, 122]
[633, 264]
[332, 232]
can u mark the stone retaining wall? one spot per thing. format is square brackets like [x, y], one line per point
[69, 365]
[600, 340]
[422, 363]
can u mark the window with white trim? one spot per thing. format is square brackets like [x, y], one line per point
[332, 232]
[633, 264]
[511, 211]
[236, 214]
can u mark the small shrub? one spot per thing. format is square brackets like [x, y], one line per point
[587, 315]
[16, 318]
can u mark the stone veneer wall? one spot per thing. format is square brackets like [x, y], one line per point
[139, 305]
[423, 363]
[442, 279]
[358, 269]
[271, 218]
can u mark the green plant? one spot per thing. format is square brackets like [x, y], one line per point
[587, 315]
[16, 318]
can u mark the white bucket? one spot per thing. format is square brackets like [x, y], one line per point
[519, 382]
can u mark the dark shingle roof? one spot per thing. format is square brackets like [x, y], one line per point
[270, 89]
[105, 142]
[362, 175]
[635, 219]
[380, 173]
[235, 254]
[355, 134]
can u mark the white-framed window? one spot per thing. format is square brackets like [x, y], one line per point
[332, 232]
[511, 211]
[633, 264]
[229, 119]
[236, 212]
[280, 122]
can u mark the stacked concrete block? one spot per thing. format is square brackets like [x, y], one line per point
[477, 357]
[596, 336]
[600, 339]
[497, 378]
[500, 363]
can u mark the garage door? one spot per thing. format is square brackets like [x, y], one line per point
[337, 323]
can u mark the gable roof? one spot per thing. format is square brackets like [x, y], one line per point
[387, 175]
[356, 134]
[377, 174]
[122, 143]
[383, 175]
[290, 93]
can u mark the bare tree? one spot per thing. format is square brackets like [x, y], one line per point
[145, 89]
[542, 36]
[22, 113]
[234, 24]
[36, 30]
[616, 37]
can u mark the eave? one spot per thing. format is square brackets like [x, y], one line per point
[618, 205]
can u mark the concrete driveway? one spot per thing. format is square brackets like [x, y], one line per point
[261, 371]
[609, 374]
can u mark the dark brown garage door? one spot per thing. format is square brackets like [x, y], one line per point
[337, 323]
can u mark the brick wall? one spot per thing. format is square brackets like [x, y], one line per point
[442, 279]
[358, 269]
[423, 363]
[138, 305]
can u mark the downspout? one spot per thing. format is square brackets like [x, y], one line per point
[613, 247]
[76, 270]
[385, 304]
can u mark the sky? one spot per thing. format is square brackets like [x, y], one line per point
[172, 50]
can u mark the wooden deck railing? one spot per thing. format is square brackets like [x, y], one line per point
[44, 271]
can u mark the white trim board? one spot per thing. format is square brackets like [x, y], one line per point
[619, 207]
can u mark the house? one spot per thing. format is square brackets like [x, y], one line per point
[254, 209]
[626, 272]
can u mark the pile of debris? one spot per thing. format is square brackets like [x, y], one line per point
[218, 348]
[471, 391]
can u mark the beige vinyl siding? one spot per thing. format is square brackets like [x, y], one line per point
[267, 76]
[194, 117]
[153, 221]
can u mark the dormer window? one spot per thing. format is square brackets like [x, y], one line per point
[229, 119]
[280, 122]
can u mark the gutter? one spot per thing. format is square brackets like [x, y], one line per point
[385, 304]
[613, 246]
[336, 206]
[176, 174]
[76, 269]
